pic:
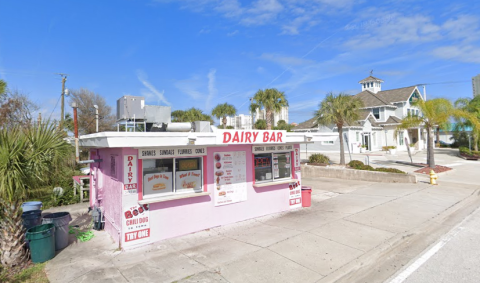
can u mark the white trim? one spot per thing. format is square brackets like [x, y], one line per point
[172, 197]
[267, 184]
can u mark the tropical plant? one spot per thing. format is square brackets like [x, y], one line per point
[270, 99]
[471, 106]
[26, 158]
[339, 110]
[222, 111]
[260, 124]
[190, 115]
[282, 125]
[435, 113]
[253, 110]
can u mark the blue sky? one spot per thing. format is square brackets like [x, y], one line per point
[199, 53]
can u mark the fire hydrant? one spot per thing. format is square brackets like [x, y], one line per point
[433, 178]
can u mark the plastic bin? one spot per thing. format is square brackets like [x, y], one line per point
[32, 218]
[61, 221]
[31, 205]
[41, 239]
[306, 196]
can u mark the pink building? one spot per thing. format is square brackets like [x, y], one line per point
[152, 186]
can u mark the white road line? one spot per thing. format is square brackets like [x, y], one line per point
[426, 256]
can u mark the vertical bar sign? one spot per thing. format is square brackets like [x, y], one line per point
[130, 174]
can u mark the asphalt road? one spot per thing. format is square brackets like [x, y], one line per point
[453, 258]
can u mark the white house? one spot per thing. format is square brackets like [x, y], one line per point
[381, 114]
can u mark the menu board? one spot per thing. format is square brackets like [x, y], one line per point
[276, 172]
[295, 195]
[157, 183]
[230, 177]
[188, 181]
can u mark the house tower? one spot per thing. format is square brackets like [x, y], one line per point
[371, 84]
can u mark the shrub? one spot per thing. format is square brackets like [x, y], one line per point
[367, 168]
[384, 148]
[319, 158]
[464, 150]
[357, 164]
[390, 170]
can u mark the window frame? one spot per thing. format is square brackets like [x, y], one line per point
[174, 182]
[273, 179]
[373, 113]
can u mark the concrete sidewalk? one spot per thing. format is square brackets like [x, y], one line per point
[352, 228]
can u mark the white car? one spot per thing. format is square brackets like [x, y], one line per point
[85, 171]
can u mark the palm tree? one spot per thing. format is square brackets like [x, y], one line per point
[222, 111]
[435, 113]
[253, 109]
[190, 115]
[272, 100]
[26, 156]
[260, 124]
[471, 106]
[339, 110]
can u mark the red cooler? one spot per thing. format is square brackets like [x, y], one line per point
[306, 196]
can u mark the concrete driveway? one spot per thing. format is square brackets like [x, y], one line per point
[354, 232]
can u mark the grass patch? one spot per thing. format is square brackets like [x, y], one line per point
[35, 273]
[357, 164]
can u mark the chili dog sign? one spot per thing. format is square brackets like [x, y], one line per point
[136, 223]
[250, 137]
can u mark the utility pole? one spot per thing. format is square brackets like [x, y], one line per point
[64, 79]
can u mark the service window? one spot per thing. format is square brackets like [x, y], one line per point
[171, 175]
[272, 166]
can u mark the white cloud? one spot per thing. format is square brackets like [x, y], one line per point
[463, 27]
[232, 33]
[212, 90]
[151, 91]
[285, 60]
[204, 31]
[190, 87]
[467, 53]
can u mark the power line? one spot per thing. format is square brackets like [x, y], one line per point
[54, 107]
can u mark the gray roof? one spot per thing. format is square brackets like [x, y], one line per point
[397, 95]
[385, 97]
[371, 99]
[369, 79]
[392, 120]
[309, 124]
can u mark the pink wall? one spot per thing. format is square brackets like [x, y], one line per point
[184, 216]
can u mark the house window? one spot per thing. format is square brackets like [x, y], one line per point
[357, 136]
[400, 136]
[171, 176]
[328, 142]
[272, 166]
[376, 113]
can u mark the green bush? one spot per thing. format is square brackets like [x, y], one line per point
[367, 168]
[357, 164]
[389, 170]
[319, 158]
[464, 150]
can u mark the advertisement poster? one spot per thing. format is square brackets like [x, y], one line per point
[157, 183]
[136, 224]
[295, 198]
[130, 174]
[297, 159]
[189, 180]
[230, 169]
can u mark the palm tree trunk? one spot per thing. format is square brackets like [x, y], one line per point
[268, 119]
[438, 137]
[342, 147]
[224, 122]
[12, 245]
[475, 141]
[430, 153]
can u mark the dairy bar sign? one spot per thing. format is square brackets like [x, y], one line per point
[250, 137]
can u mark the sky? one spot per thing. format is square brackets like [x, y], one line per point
[200, 53]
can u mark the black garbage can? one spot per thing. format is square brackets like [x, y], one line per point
[31, 218]
[61, 221]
